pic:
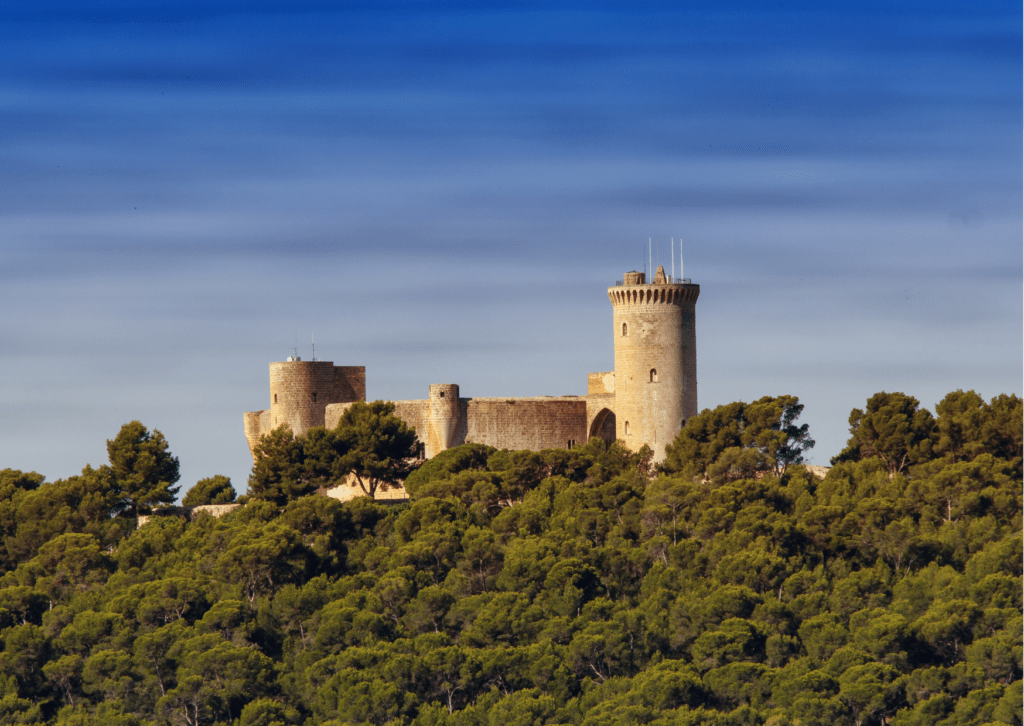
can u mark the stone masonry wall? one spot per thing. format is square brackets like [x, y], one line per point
[414, 413]
[526, 423]
[598, 383]
[504, 423]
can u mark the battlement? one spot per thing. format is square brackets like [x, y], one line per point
[667, 294]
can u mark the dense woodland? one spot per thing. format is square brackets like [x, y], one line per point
[587, 587]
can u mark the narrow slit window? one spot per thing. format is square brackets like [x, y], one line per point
[625, 330]
[314, 396]
[275, 398]
[627, 428]
[654, 375]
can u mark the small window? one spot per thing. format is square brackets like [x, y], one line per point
[654, 375]
[624, 330]
[627, 428]
[442, 394]
[314, 396]
[571, 443]
[420, 450]
[275, 398]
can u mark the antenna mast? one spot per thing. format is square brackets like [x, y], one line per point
[650, 261]
[681, 257]
[313, 341]
[672, 246]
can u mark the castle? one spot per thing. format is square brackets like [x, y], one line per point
[645, 400]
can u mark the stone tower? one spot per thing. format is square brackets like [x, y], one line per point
[443, 418]
[300, 392]
[655, 359]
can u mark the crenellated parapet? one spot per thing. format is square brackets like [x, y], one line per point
[667, 294]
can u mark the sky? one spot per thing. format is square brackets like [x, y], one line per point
[443, 193]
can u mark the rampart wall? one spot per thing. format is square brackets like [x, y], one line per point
[526, 423]
[505, 423]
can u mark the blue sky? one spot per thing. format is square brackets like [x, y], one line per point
[443, 192]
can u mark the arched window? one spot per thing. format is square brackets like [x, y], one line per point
[314, 396]
[627, 428]
[624, 330]
[654, 375]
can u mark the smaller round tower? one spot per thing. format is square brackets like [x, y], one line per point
[300, 391]
[655, 358]
[444, 418]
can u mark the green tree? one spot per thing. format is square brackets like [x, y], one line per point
[278, 470]
[211, 490]
[771, 429]
[261, 559]
[737, 440]
[13, 480]
[380, 447]
[894, 429]
[68, 564]
[79, 504]
[217, 678]
[871, 689]
[1004, 429]
[144, 470]
[704, 438]
[960, 425]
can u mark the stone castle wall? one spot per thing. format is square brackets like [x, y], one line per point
[644, 401]
[526, 423]
[504, 423]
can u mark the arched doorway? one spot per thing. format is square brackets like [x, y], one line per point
[603, 426]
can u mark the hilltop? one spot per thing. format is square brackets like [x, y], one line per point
[585, 586]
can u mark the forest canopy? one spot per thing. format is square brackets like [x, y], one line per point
[729, 585]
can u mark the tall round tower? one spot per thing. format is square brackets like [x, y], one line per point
[655, 358]
[300, 391]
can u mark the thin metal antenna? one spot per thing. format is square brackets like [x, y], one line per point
[650, 262]
[659, 250]
[313, 341]
[681, 258]
[672, 246]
